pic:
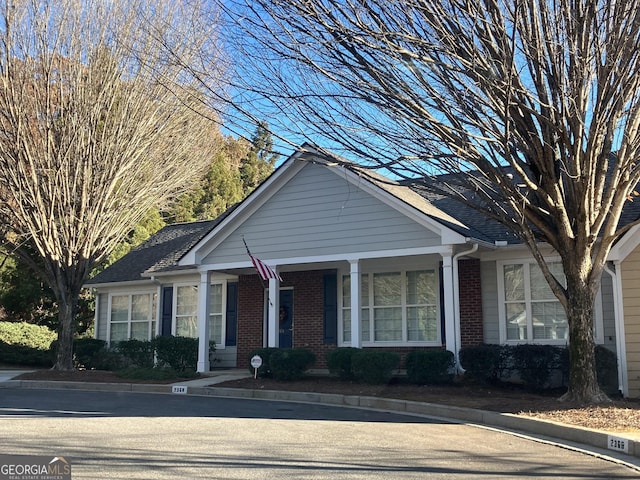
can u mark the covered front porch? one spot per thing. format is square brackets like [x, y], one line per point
[395, 299]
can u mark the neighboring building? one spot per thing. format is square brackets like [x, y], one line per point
[365, 262]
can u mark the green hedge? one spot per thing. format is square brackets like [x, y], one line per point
[533, 365]
[373, 366]
[339, 361]
[21, 333]
[290, 363]
[86, 350]
[138, 353]
[265, 354]
[26, 344]
[484, 363]
[430, 367]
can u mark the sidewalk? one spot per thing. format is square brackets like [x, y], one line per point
[618, 447]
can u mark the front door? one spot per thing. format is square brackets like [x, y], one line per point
[286, 319]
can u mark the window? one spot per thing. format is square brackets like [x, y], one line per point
[216, 313]
[530, 310]
[186, 311]
[132, 316]
[397, 307]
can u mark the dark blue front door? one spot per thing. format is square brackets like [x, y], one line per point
[286, 319]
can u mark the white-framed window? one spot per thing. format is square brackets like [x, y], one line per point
[529, 311]
[217, 314]
[186, 311]
[399, 307]
[132, 316]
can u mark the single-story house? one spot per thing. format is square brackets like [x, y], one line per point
[361, 261]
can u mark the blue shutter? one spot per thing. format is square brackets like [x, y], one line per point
[330, 304]
[231, 315]
[167, 311]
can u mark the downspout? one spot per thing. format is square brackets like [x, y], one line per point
[618, 309]
[456, 305]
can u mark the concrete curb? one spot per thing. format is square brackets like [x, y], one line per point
[550, 430]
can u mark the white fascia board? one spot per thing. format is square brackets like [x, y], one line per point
[448, 235]
[248, 206]
[120, 285]
[515, 252]
[404, 252]
[627, 244]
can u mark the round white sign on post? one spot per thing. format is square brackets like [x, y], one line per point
[256, 361]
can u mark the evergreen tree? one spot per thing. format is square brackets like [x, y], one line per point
[260, 161]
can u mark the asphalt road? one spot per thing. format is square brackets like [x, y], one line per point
[152, 436]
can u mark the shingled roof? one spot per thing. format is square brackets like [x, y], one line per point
[159, 253]
[163, 250]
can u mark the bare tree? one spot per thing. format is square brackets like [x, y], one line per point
[96, 128]
[546, 91]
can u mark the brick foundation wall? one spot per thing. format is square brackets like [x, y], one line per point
[471, 332]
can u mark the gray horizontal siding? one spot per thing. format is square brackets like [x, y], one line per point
[489, 285]
[319, 213]
[101, 328]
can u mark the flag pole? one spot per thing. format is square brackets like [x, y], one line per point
[251, 257]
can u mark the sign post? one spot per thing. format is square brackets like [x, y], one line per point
[256, 363]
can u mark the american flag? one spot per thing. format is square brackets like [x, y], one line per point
[265, 271]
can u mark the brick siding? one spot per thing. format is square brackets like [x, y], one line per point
[471, 331]
[308, 318]
[308, 321]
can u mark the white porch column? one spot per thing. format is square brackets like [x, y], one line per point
[356, 334]
[273, 332]
[203, 323]
[449, 304]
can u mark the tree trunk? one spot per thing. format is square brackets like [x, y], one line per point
[583, 381]
[67, 308]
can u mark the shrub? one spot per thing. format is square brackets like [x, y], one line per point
[607, 369]
[108, 359]
[154, 373]
[534, 364]
[179, 353]
[85, 351]
[265, 353]
[290, 363]
[137, 353]
[16, 354]
[339, 361]
[431, 367]
[26, 344]
[26, 334]
[374, 367]
[484, 363]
